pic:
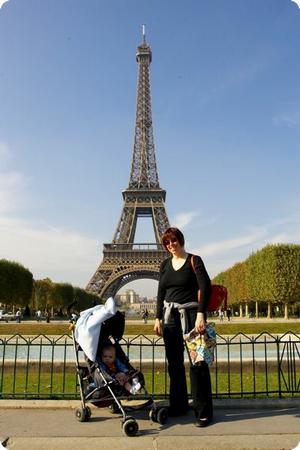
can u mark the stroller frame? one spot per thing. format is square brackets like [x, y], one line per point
[129, 424]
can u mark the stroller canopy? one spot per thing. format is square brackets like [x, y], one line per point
[88, 326]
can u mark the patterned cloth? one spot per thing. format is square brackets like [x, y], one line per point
[201, 347]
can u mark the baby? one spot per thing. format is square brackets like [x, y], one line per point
[117, 370]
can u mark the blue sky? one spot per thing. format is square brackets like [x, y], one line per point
[226, 112]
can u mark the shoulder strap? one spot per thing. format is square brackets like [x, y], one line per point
[193, 267]
[193, 262]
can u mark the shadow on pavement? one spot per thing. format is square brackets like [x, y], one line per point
[246, 414]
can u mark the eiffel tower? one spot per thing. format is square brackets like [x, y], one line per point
[123, 259]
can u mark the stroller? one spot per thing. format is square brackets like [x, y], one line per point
[96, 329]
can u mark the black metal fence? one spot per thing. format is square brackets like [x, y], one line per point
[260, 366]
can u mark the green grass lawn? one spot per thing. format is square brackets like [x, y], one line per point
[34, 384]
[35, 329]
[44, 384]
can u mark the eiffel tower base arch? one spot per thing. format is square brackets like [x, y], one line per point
[124, 263]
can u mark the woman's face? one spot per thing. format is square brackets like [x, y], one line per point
[173, 245]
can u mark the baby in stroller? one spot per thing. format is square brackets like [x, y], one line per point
[115, 369]
[107, 373]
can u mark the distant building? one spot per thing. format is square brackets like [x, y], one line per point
[128, 297]
[139, 307]
[136, 303]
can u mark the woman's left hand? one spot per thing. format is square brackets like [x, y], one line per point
[200, 323]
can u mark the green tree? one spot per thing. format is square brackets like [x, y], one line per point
[219, 279]
[84, 299]
[287, 273]
[273, 273]
[16, 283]
[43, 294]
[63, 296]
[235, 281]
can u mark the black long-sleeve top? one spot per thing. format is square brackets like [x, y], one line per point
[181, 286]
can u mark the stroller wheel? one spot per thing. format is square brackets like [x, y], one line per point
[153, 415]
[130, 427]
[80, 414]
[88, 413]
[162, 416]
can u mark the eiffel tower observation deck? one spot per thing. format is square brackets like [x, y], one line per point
[124, 260]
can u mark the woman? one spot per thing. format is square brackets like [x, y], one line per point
[178, 313]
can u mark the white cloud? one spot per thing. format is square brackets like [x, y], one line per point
[12, 191]
[183, 219]
[221, 255]
[290, 237]
[48, 251]
[279, 238]
[230, 244]
[12, 183]
[290, 120]
[62, 255]
[2, 3]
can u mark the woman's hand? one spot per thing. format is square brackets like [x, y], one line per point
[158, 327]
[200, 323]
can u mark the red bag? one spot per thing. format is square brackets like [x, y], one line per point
[218, 294]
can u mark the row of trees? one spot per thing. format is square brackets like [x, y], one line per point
[270, 275]
[61, 296]
[19, 289]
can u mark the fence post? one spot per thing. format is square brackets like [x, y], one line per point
[278, 366]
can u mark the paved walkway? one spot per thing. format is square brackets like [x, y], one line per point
[49, 425]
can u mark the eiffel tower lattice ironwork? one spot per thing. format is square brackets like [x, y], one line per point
[123, 259]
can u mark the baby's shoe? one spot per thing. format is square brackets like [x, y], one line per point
[135, 388]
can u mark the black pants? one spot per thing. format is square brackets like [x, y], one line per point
[199, 375]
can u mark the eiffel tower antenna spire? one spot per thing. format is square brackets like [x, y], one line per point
[143, 170]
[124, 259]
